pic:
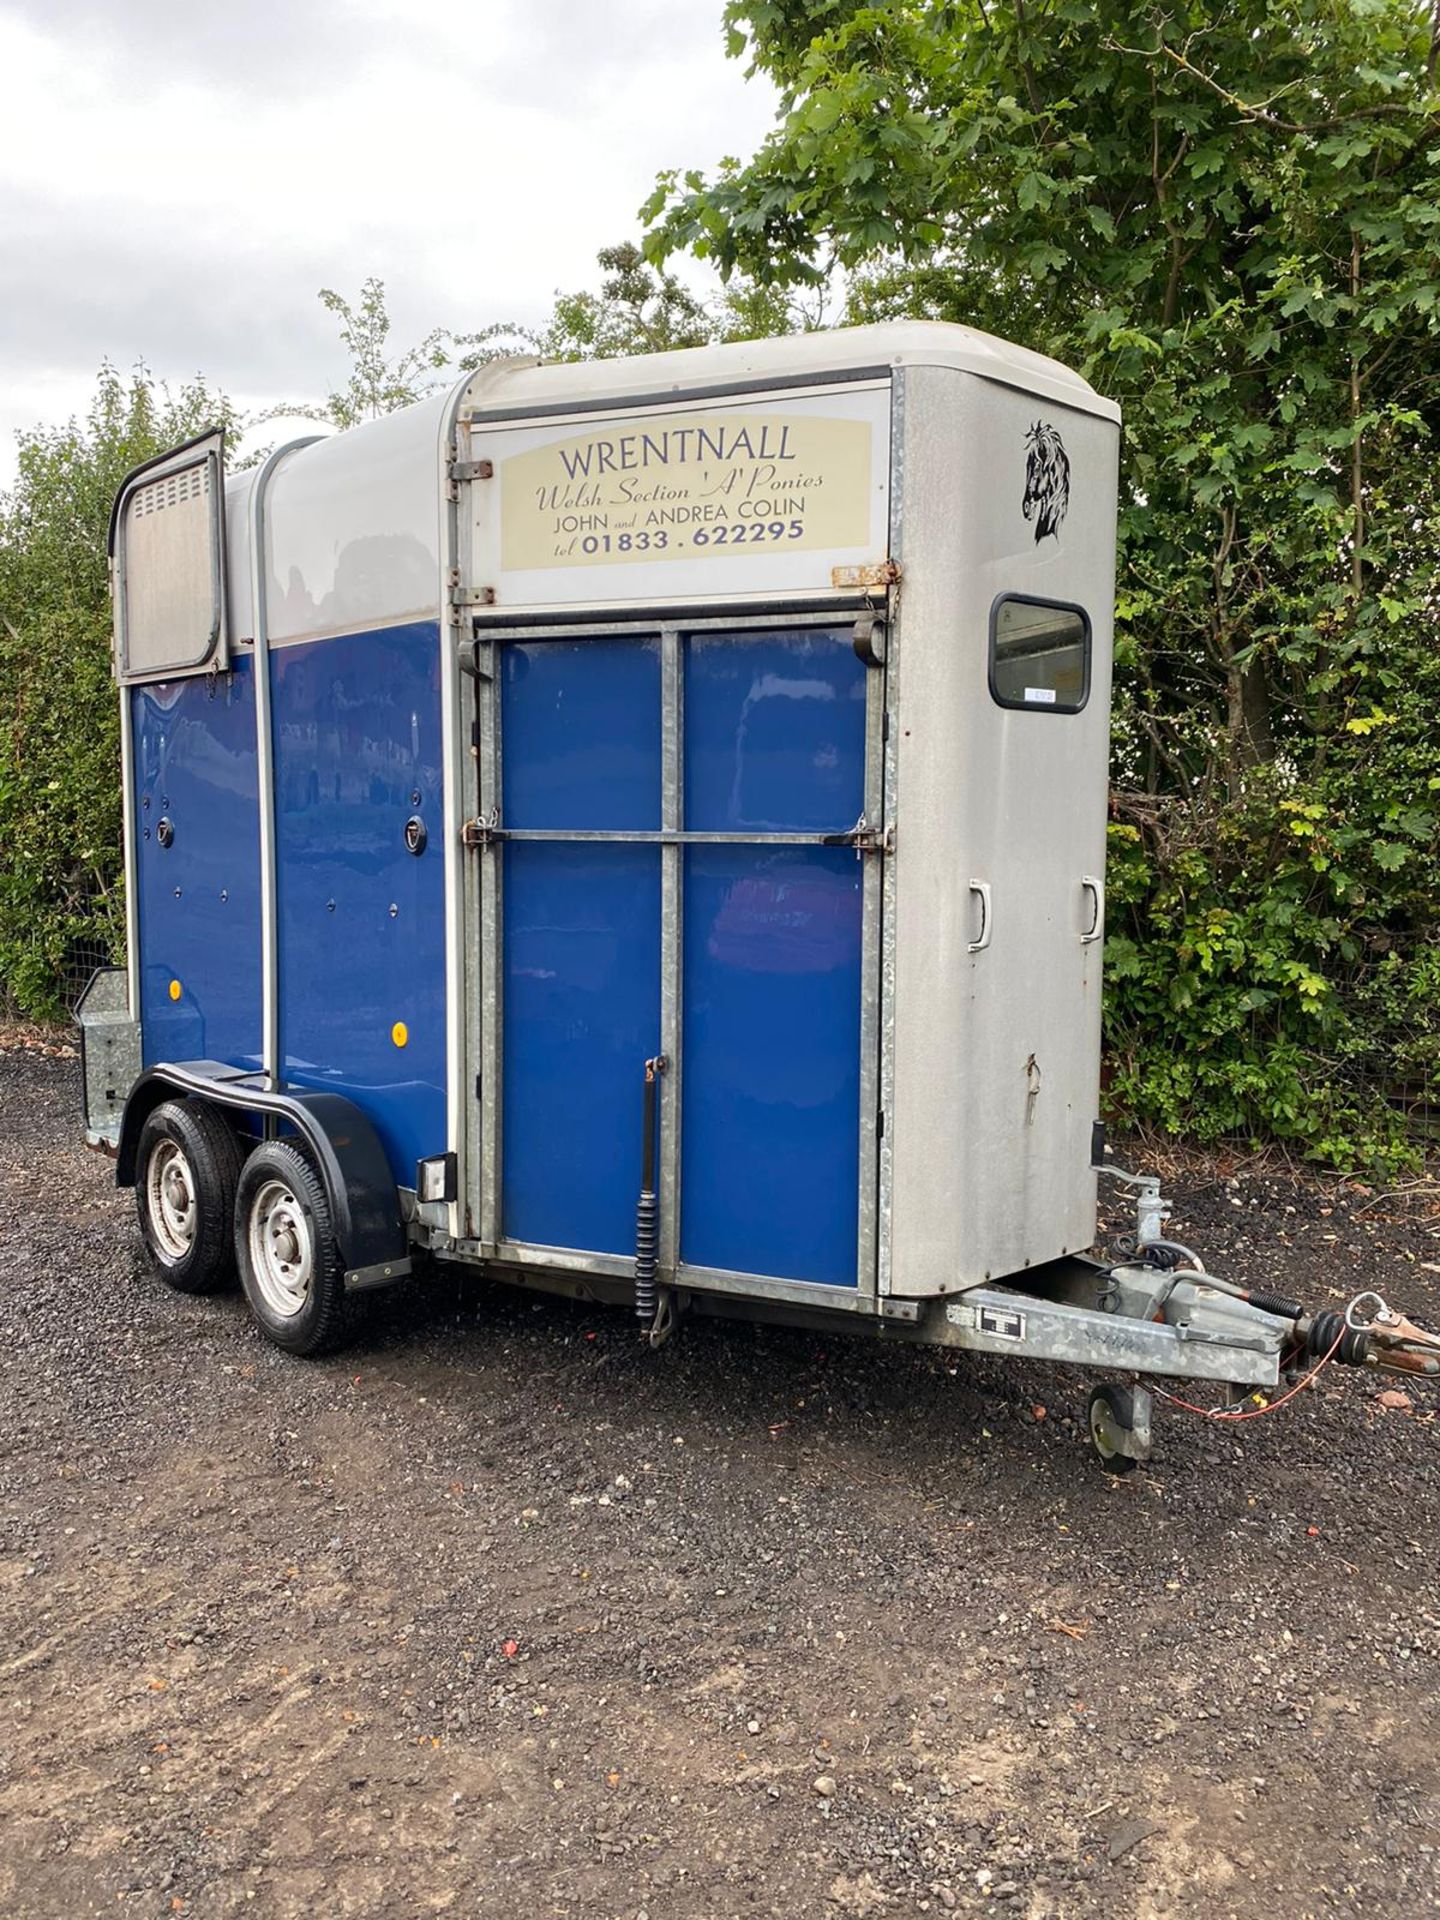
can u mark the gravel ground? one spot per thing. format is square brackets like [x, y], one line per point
[497, 1614]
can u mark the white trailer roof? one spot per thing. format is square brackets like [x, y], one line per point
[354, 521]
[508, 387]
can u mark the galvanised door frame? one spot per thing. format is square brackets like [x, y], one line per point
[484, 946]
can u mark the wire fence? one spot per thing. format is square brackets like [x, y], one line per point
[49, 957]
[82, 958]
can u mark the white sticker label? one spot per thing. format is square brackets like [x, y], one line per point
[671, 503]
[1005, 1326]
[686, 486]
[1040, 696]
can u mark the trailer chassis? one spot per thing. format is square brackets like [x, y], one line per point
[1155, 1314]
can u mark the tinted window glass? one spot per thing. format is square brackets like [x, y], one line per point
[1039, 655]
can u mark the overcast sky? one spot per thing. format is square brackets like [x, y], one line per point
[178, 180]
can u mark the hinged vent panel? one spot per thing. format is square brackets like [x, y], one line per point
[189, 483]
[170, 565]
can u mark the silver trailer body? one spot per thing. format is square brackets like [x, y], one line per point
[999, 815]
[639, 827]
[936, 502]
[991, 478]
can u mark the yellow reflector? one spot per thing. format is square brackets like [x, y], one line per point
[175, 989]
[400, 1033]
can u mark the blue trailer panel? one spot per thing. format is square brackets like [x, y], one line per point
[774, 731]
[770, 727]
[581, 987]
[774, 743]
[771, 1091]
[196, 855]
[356, 724]
[581, 726]
[581, 998]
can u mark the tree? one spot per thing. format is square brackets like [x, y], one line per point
[376, 383]
[641, 309]
[637, 310]
[61, 899]
[1229, 220]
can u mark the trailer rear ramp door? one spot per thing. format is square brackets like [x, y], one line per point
[672, 830]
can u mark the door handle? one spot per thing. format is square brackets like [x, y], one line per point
[981, 889]
[1096, 889]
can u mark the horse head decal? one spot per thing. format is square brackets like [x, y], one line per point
[1047, 480]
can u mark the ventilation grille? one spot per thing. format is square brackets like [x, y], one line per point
[171, 490]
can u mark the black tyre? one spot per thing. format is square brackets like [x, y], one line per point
[285, 1249]
[187, 1165]
[1111, 1419]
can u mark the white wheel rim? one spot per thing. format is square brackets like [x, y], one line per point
[282, 1249]
[1103, 1431]
[170, 1201]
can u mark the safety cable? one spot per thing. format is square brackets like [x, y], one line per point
[1234, 1415]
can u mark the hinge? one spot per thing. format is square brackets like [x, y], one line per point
[457, 472]
[472, 596]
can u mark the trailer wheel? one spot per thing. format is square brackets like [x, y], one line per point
[187, 1167]
[1111, 1419]
[285, 1248]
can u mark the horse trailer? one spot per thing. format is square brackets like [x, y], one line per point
[639, 828]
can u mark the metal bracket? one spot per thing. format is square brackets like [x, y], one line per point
[482, 832]
[1134, 1441]
[381, 1274]
[907, 1310]
[472, 596]
[868, 639]
[879, 574]
[1152, 1209]
[472, 667]
[666, 1319]
[863, 838]
[471, 470]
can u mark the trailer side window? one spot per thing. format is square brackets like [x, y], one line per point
[1039, 654]
[167, 541]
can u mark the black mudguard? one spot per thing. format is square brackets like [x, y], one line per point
[340, 1139]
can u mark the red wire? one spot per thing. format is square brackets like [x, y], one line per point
[1255, 1413]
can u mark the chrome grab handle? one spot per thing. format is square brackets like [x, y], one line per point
[1096, 888]
[982, 889]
